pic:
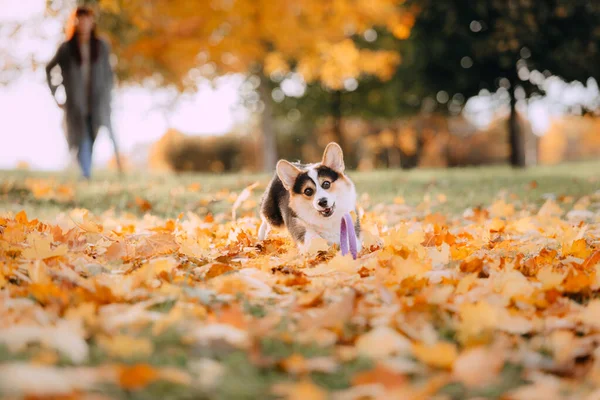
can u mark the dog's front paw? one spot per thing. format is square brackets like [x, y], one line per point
[304, 248]
[312, 244]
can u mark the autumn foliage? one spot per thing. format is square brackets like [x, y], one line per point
[181, 40]
[497, 301]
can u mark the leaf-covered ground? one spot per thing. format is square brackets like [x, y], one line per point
[476, 283]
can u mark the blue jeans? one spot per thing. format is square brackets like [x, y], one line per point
[84, 153]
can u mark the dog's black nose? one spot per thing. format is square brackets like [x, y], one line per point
[322, 202]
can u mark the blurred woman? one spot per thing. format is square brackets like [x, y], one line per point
[87, 77]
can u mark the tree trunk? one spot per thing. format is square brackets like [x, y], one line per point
[515, 135]
[336, 113]
[394, 158]
[267, 126]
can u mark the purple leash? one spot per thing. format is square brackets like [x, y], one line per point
[348, 236]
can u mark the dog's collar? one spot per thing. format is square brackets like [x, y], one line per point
[348, 236]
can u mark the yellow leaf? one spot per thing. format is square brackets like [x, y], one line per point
[550, 278]
[513, 284]
[370, 240]
[464, 285]
[550, 209]
[478, 367]
[382, 342]
[175, 375]
[438, 355]
[502, 209]
[123, 346]
[155, 245]
[14, 233]
[40, 247]
[591, 314]
[38, 272]
[88, 225]
[439, 257]
[155, 267]
[409, 268]
[476, 319]
[577, 248]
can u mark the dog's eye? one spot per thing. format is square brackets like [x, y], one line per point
[326, 185]
[308, 192]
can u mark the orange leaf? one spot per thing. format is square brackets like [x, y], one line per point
[459, 253]
[143, 204]
[194, 187]
[118, 250]
[46, 293]
[379, 375]
[299, 391]
[294, 364]
[591, 261]
[137, 376]
[576, 249]
[311, 299]
[14, 233]
[576, 282]
[473, 265]
[158, 244]
[234, 316]
[217, 269]
[297, 280]
[21, 217]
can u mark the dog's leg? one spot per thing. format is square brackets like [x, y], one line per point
[300, 234]
[264, 230]
[304, 245]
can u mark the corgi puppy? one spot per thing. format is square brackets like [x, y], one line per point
[310, 200]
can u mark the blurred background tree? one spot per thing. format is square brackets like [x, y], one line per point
[175, 42]
[458, 49]
[390, 80]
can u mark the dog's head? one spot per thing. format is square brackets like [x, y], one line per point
[319, 190]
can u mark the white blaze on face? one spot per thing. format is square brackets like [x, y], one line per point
[320, 193]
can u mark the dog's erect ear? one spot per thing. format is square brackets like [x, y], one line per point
[333, 157]
[288, 173]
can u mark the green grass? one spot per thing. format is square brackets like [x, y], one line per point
[462, 188]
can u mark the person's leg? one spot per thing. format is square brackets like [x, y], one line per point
[84, 154]
[113, 139]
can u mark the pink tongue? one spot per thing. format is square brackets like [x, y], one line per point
[348, 236]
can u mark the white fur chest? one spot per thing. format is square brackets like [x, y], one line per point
[329, 231]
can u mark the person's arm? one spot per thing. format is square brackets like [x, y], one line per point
[56, 60]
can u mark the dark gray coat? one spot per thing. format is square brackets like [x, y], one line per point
[76, 106]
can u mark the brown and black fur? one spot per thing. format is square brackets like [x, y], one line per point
[275, 203]
[276, 210]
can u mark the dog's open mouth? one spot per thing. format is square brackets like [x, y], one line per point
[327, 212]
